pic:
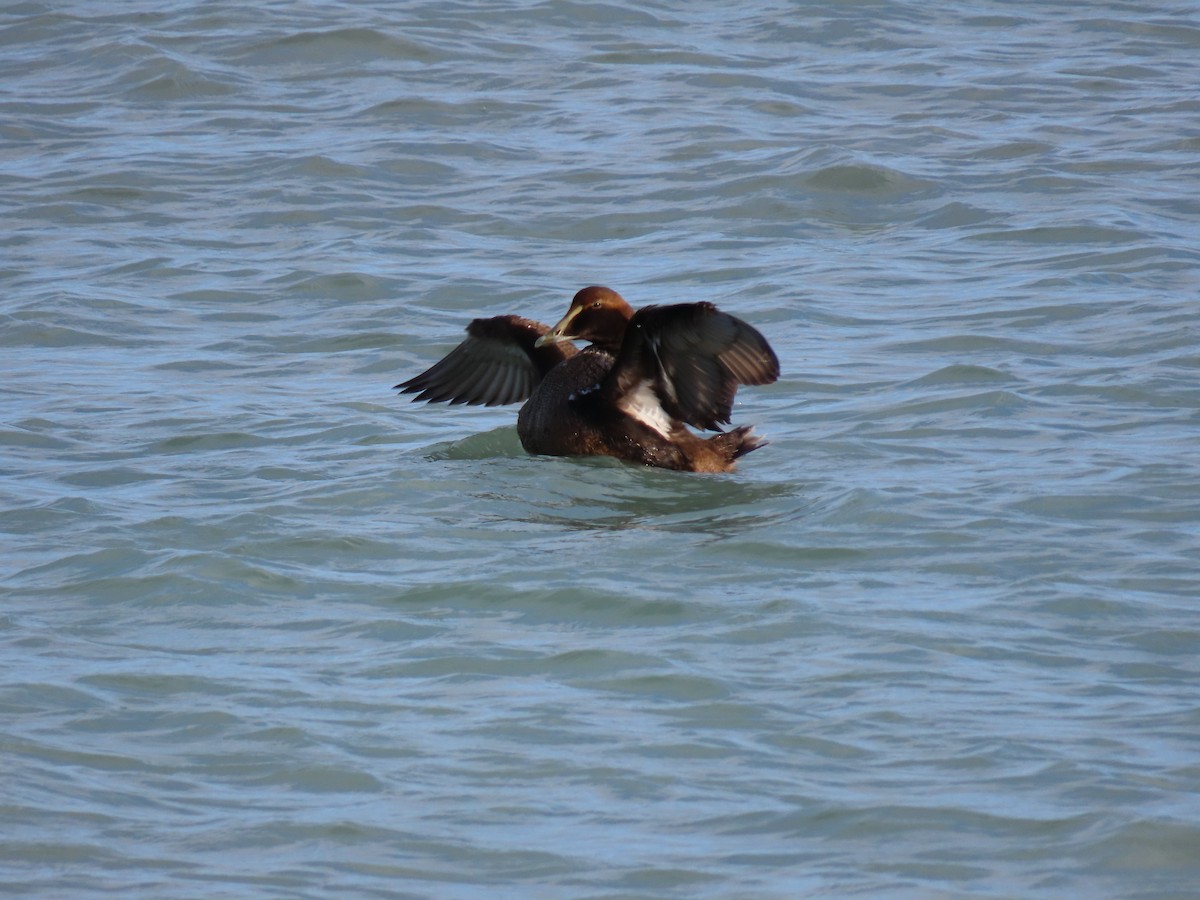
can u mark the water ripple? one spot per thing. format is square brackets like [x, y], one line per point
[936, 638]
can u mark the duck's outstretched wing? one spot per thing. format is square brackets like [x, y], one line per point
[692, 357]
[497, 364]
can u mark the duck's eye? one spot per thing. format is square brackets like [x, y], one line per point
[597, 305]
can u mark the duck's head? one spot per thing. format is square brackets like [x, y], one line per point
[597, 315]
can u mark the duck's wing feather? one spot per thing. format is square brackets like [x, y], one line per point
[693, 357]
[497, 364]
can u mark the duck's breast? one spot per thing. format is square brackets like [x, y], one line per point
[551, 422]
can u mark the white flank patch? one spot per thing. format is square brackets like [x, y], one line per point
[643, 404]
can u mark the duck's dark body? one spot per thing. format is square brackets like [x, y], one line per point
[556, 419]
[626, 395]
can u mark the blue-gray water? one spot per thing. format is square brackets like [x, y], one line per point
[269, 630]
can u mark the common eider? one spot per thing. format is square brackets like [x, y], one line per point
[631, 393]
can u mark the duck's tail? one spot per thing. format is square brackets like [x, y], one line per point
[737, 442]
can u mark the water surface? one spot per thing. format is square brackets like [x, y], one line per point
[269, 630]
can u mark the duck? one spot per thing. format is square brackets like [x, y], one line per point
[644, 377]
